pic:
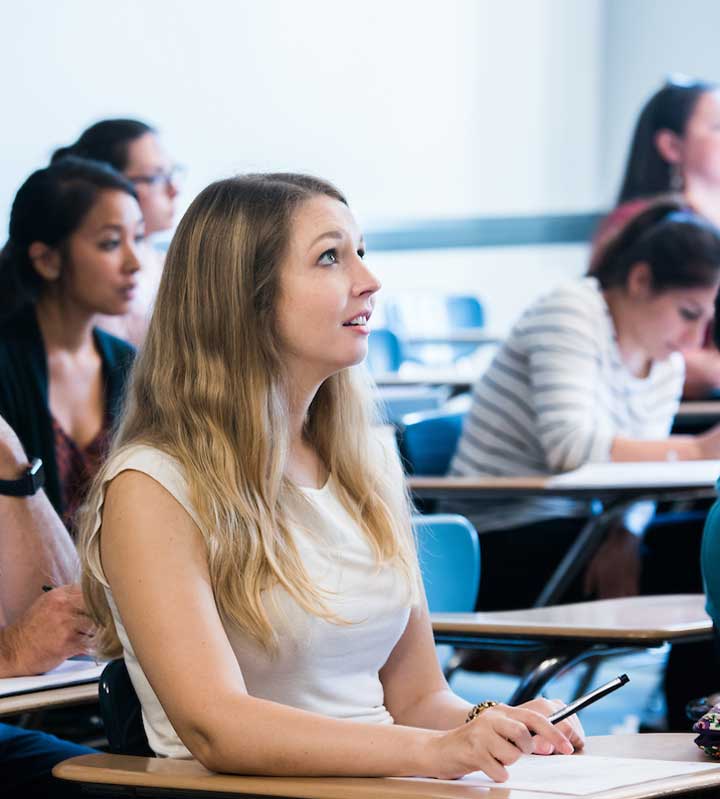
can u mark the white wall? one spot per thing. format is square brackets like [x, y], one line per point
[646, 40]
[506, 279]
[415, 108]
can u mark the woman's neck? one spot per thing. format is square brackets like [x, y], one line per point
[633, 354]
[304, 466]
[705, 199]
[64, 327]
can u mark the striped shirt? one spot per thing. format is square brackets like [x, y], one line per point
[554, 398]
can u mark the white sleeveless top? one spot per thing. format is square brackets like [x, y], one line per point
[320, 666]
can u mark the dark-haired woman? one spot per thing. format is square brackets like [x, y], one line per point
[72, 253]
[134, 148]
[591, 373]
[676, 148]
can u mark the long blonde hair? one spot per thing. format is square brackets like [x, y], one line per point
[209, 389]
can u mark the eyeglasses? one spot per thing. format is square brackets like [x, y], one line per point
[172, 177]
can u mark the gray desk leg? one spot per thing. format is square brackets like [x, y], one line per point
[535, 680]
[582, 550]
[563, 658]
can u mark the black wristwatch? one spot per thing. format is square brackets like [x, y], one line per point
[27, 485]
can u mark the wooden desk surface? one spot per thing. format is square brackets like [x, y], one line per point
[644, 620]
[458, 335]
[190, 775]
[698, 408]
[83, 694]
[432, 378]
[505, 487]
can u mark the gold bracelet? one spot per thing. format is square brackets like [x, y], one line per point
[478, 709]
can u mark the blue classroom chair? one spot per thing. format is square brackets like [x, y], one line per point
[384, 351]
[428, 439]
[449, 555]
[464, 311]
[449, 313]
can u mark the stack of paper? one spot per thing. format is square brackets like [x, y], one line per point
[71, 672]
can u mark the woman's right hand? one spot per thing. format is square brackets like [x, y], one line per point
[489, 743]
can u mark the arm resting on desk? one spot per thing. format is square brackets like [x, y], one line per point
[682, 448]
[702, 372]
[54, 628]
[35, 548]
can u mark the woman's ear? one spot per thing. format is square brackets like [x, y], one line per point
[46, 260]
[639, 284]
[669, 145]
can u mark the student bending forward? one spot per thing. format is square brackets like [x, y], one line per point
[590, 373]
[248, 547]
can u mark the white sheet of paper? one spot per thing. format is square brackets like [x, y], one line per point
[663, 473]
[71, 672]
[585, 774]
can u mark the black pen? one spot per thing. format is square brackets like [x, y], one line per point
[588, 699]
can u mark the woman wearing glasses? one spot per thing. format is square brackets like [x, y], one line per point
[133, 148]
[675, 148]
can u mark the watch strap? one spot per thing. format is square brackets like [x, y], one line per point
[30, 483]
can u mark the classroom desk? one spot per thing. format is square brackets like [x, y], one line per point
[84, 694]
[564, 635]
[458, 335]
[455, 382]
[696, 416]
[181, 776]
[692, 408]
[614, 485]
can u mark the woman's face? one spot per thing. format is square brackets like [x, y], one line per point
[673, 320]
[326, 291]
[151, 171]
[699, 148]
[100, 259]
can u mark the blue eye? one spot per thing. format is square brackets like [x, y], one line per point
[329, 257]
[139, 238]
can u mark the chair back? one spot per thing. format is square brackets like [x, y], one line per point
[384, 351]
[449, 553]
[121, 712]
[464, 311]
[428, 439]
[423, 313]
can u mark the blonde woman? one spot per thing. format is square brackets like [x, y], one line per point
[247, 547]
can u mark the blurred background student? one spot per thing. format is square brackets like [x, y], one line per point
[591, 372]
[676, 148]
[134, 148]
[72, 253]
